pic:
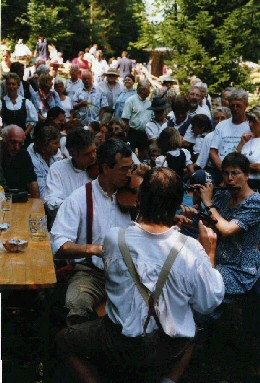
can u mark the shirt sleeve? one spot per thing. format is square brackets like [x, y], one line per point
[32, 115]
[127, 111]
[204, 154]
[67, 224]
[188, 157]
[248, 214]
[149, 130]
[216, 140]
[54, 192]
[189, 136]
[208, 286]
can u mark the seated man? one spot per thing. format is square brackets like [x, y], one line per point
[67, 175]
[16, 163]
[82, 222]
[134, 259]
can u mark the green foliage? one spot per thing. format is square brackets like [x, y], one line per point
[207, 38]
[71, 25]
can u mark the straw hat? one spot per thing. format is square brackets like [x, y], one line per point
[112, 71]
[166, 78]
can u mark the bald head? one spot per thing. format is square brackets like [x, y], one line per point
[13, 137]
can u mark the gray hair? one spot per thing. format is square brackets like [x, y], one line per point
[238, 94]
[194, 86]
[142, 85]
[224, 110]
[43, 69]
[58, 80]
[254, 112]
[201, 85]
[7, 129]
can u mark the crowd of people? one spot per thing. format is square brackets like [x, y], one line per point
[189, 247]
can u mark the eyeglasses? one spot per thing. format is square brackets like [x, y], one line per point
[233, 173]
[126, 169]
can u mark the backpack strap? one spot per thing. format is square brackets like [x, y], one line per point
[89, 200]
[150, 298]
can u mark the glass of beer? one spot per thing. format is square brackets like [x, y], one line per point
[38, 227]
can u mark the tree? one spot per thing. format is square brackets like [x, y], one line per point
[208, 39]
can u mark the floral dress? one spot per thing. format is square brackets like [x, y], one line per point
[238, 256]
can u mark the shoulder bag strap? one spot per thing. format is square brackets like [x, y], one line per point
[89, 200]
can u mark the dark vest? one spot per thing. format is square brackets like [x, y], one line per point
[16, 117]
[26, 90]
[177, 163]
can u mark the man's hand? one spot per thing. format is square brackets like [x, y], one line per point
[182, 221]
[189, 212]
[95, 249]
[208, 239]
[141, 169]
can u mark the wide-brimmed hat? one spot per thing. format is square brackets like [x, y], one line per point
[167, 78]
[158, 103]
[113, 71]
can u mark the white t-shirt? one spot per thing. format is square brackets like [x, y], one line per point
[252, 151]
[153, 129]
[204, 151]
[227, 136]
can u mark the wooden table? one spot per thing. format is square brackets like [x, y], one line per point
[34, 268]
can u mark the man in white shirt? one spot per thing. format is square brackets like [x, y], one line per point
[99, 67]
[191, 283]
[74, 83]
[194, 98]
[228, 133]
[67, 175]
[70, 234]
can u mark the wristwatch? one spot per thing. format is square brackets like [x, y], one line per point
[207, 208]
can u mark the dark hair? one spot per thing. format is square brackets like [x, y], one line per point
[54, 113]
[43, 137]
[169, 139]
[180, 103]
[160, 195]
[108, 150]
[78, 139]
[236, 160]
[201, 121]
[95, 125]
[130, 76]
[16, 67]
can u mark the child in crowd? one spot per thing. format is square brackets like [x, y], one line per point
[173, 156]
[201, 126]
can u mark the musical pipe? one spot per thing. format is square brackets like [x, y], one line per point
[217, 188]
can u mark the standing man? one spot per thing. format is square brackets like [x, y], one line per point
[69, 237]
[125, 65]
[111, 89]
[99, 67]
[136, 116]
[228, 133]
[42, 51]
[90, 101]
[16, 163]
[74, 83]
[195, 98]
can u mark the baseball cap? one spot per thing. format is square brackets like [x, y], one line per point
[201, 177]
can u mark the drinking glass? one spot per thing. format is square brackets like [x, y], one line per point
[6, 202]
[38, 227]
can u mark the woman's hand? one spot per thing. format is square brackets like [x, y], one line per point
[206, 192]
[208, 239]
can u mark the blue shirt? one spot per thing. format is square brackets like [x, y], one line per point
[120, 102]
[238, 257]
